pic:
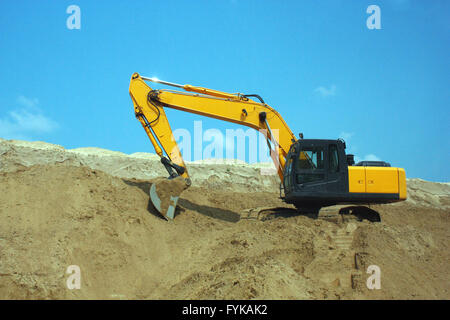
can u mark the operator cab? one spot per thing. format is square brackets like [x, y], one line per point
[316, 173]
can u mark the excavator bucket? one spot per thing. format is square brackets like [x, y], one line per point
[164, 195]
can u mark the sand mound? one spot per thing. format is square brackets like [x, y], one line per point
[431, 194]
[57, 215]
[227, 175]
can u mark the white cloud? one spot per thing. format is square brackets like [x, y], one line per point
[371, 157]
[25, 122]
[367, 157]
[352, 149]
[326, 92]
[346, 135]
[29, 103]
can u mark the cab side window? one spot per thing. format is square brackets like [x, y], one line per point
[333, 158]
[287, 175]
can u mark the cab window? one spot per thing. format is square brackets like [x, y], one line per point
[287, 175]
[310, 159]
[310, 165]
[333, 158]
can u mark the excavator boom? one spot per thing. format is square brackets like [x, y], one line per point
[149, 107]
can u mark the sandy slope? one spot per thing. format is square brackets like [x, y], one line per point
[63, 207]
[228, 174]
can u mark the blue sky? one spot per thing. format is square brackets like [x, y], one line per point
[316, 62]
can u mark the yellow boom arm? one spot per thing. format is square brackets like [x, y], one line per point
[237, 108]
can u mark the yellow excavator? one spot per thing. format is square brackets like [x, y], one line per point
[314, 173]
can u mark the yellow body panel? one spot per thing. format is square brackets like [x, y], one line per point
[402, 183]
[381, 180]
[357, 179]
[377, 180]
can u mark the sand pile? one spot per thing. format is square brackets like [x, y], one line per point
[57, 215]
[431, 194]
[233, 175]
